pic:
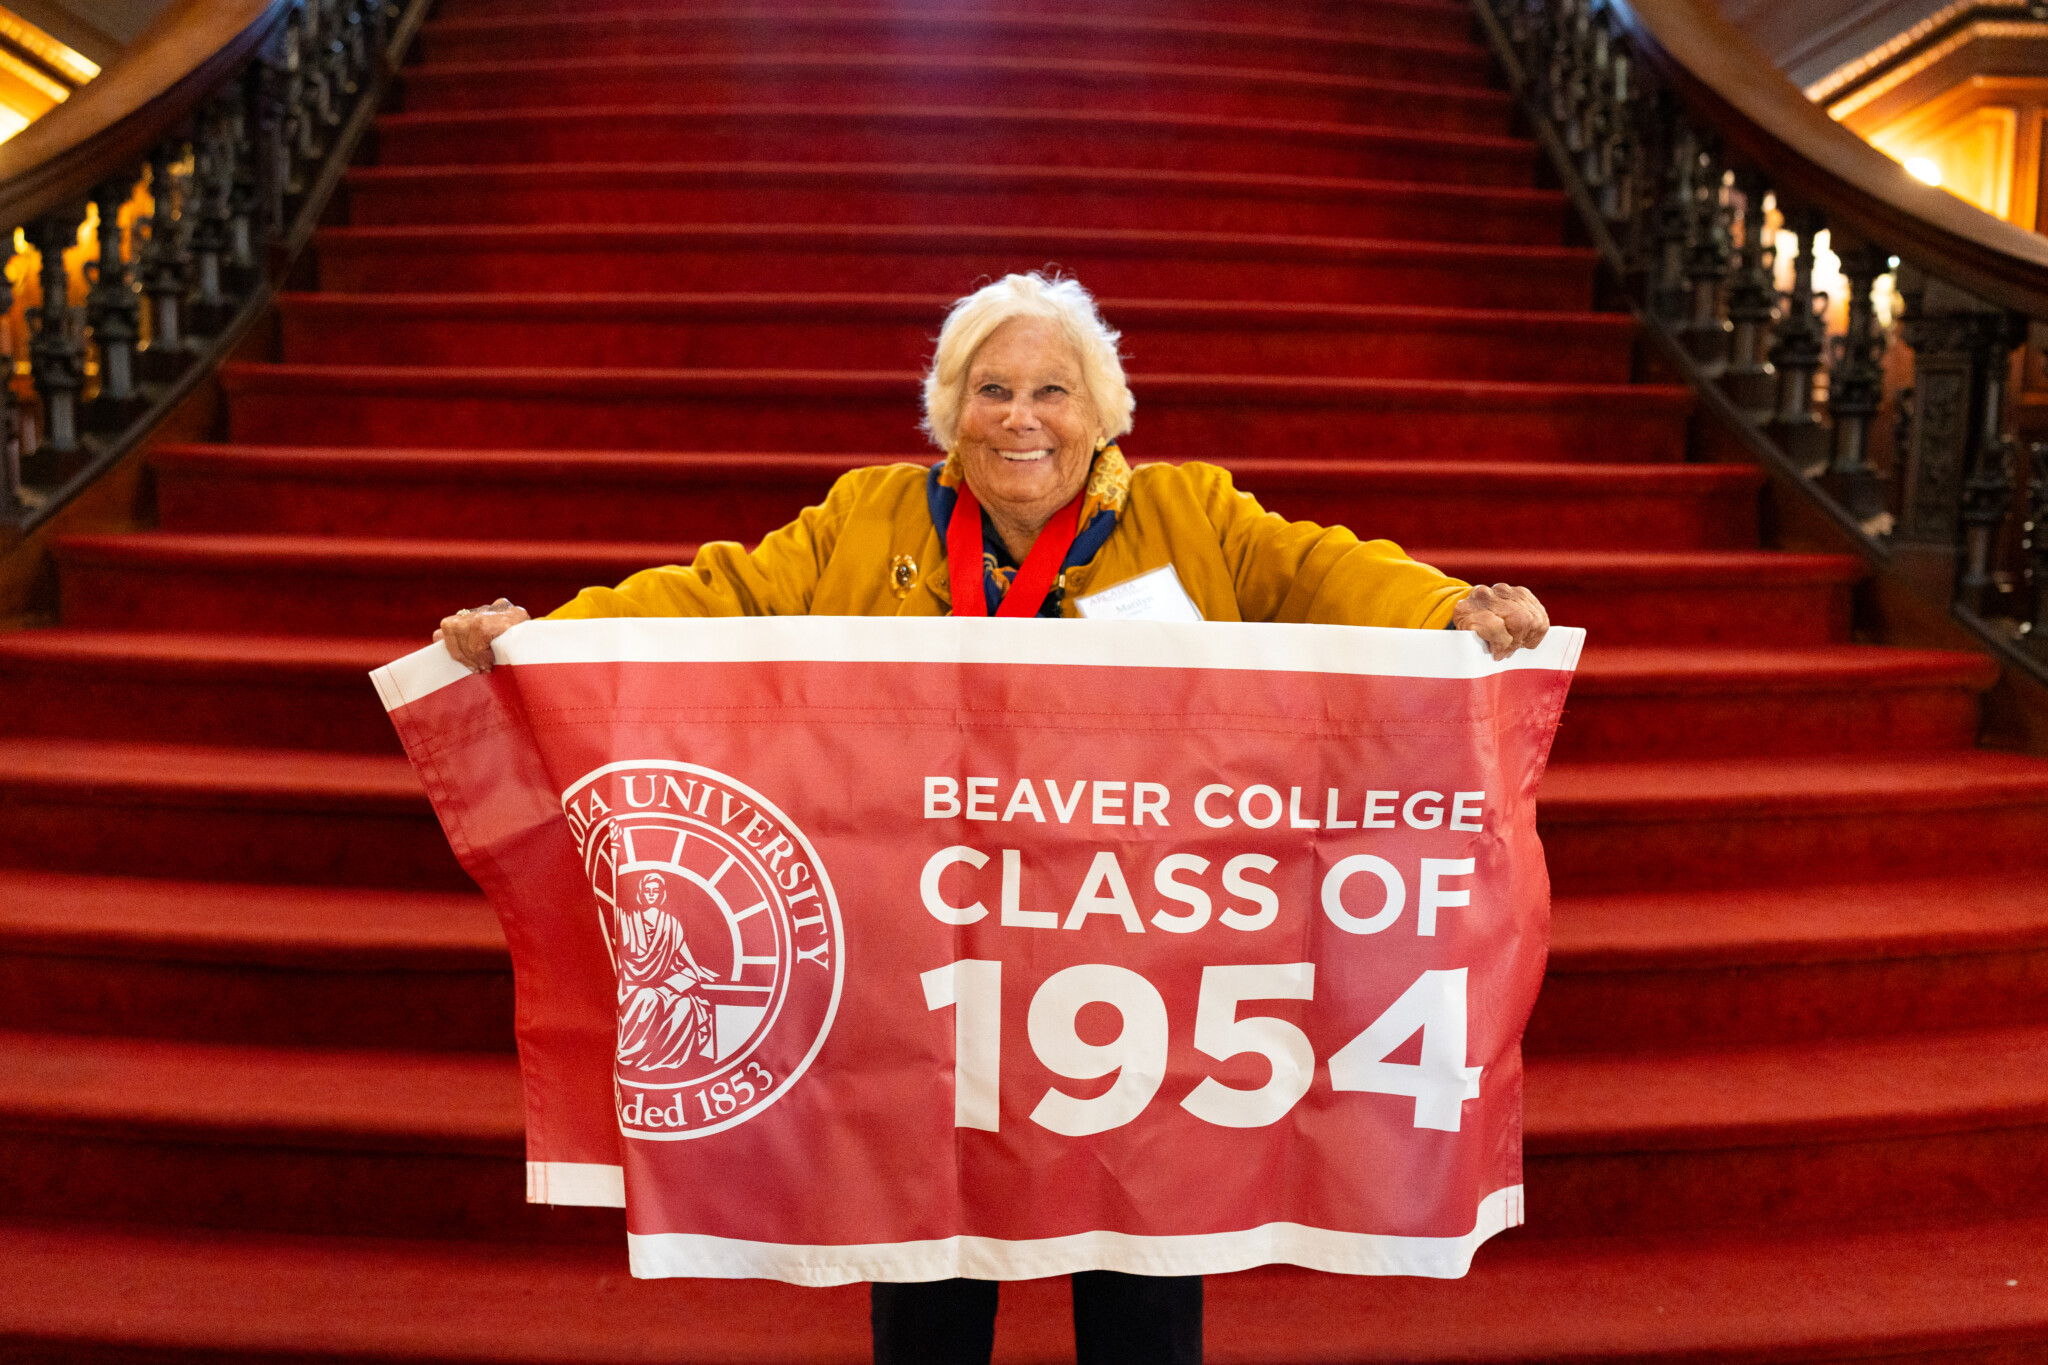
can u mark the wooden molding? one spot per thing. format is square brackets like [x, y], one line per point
[100, 46]
[109, 126]
[1982, 48]
[1767, 119]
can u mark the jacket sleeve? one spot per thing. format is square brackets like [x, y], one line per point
[776, 579]
[1298, 571]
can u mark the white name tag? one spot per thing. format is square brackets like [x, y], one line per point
[1154, 596]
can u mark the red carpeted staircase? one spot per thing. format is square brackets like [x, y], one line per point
[624, 276]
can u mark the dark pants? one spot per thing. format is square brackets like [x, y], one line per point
[1118, 1320]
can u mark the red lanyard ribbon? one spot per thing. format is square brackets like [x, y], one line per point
[964, 564]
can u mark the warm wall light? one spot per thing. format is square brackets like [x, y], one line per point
[37, 73]
[1924, 169]
[75, 68]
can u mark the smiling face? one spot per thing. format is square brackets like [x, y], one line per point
[1027, 426]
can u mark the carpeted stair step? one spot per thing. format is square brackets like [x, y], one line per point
[1222, 87]
[217, 813]
[1762, 822]
[761, 30]
[1823, 1133]
[349, 1140]
[293, 692]
[1013, 195]
[1438, 20]
[1685, 969]
[1628, 703]
[1675, 1297]
[285, 691]
[241, 584]
[230, 962]
[559, 408]
[1659, 700]
[1753, 599]
[978, 134]
[533, 495]
[336, 1140]
[802, 257]
[1971, 1292]
[894, 332]
[389, 588]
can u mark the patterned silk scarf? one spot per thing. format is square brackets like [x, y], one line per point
[1102, 500]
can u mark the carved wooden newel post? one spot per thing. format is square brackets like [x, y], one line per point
[1955, 441]
[213, 239]
[1706, 332]
[1752, 299]
[1670, 293]
[57, 351]
[1987, 488]
[112, 310]
[1801, 345]
[1856, 392]
[163, 268]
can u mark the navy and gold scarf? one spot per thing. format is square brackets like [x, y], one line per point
[1109, 484]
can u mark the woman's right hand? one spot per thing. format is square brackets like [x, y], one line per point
[1504, 617]
[469, 632]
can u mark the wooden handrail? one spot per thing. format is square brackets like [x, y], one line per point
[1671, 133]
[1737, 90]
[109, 126]
[240, 116]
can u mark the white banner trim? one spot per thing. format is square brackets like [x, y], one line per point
[424, 671]
[576, 1182]
[671, 1254]
[1235, 645]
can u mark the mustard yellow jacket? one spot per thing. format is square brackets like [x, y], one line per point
[1237, 561]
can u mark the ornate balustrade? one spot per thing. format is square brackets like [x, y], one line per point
[1889, 392]
[233, 119]
[1891, 396]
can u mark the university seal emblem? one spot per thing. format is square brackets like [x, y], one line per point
[725, 937]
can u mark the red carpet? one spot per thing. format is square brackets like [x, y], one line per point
[629, 275]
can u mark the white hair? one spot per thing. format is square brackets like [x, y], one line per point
[1062, 302]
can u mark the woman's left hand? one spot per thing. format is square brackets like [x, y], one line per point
[1507, 618]
[469, 632]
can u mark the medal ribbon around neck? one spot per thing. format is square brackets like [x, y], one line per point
[965, 549]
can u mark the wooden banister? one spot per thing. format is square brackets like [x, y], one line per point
[1694, 165]
[240, 117]
[1731, 85]
[111, 124]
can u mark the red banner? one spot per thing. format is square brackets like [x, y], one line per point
[896, 949]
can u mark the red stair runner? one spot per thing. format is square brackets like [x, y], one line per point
[632, 274]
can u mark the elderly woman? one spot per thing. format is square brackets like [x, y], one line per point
[1033, 512]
